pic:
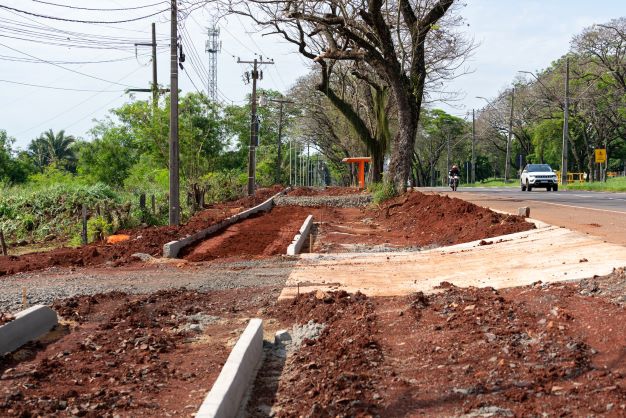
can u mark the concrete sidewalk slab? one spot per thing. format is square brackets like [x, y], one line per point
[28, 325]
[548, 254]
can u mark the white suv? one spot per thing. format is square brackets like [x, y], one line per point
[538, 175]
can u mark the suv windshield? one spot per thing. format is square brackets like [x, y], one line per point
[538, 167]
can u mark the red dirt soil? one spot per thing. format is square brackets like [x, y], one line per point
[261, 235]
[123, 355]
[413, 220]
[148, 240]
[542, 349]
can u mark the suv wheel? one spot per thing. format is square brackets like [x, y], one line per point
[528, 186]
[555, 187]
[523, 187]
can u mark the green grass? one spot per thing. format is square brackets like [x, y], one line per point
[493, 182]
[615, 184]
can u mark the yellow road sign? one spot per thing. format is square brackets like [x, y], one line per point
[600, 155]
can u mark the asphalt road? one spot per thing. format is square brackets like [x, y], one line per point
[614, 202]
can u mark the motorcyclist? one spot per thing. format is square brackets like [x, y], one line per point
[454, 171]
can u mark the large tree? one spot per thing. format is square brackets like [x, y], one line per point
[391, 38]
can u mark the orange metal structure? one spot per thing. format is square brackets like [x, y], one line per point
[361, 162]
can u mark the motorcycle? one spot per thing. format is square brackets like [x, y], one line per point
[453, 181]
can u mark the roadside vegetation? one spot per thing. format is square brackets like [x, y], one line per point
[614, 184]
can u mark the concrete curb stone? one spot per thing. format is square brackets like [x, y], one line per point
[28, 325]
[225, 398]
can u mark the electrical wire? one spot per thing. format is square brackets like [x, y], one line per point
[12, 58]
[77, 20]
[57, 88]
[64, 68]
[99, 10]
[78, 104]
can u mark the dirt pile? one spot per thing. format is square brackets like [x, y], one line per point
[541, 349]
[148, 240]
[334, 374]
[149, 355]
[612, 286]
[426, 219]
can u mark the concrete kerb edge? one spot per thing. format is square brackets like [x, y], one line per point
[28, 325]
[173, 248]
[300, 238]
[225, 397]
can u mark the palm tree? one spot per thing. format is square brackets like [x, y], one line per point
[51, 148]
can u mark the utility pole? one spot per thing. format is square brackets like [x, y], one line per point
[155, 83]
[254, 122]
[508, 141]
[277, 176]
[174, 210]
[564, 150]
[473, 146]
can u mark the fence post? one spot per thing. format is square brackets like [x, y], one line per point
[3, 244]
[153, 205]
[84, 233]
[142, 201]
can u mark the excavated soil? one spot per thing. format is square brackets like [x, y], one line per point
[142, 240]
[122, 355]
[261, 235]
[541, 349]
[414, 220]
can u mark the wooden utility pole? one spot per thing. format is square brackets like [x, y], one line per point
[155, 83]
[473, 146]
[254, 122]
[174, 210]
[564, 150]
[3, 244]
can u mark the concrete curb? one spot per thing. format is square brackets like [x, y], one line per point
[224, 399]
[300, 238]
[172, 248]
[28, 325]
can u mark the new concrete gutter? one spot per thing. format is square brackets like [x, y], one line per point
[300, 238]
[28, 325]
[225, 398]
[173, 248]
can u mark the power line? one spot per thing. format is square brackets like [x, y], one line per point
[64, 68]
[78, 104]
[80, 21]
[58, 88]
[99, 10]
[33, 61]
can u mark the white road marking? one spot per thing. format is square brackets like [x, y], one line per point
[578, 207]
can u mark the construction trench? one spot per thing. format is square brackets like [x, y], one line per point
[538, 345]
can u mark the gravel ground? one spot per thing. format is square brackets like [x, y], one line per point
[347, 201]
[44, 287]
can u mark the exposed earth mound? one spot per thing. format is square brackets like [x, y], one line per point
[527, 351]
[148, 240]
[128, 355]
[434, 219]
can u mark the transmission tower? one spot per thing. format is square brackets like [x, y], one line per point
[213, 46]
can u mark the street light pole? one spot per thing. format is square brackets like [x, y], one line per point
[174, 210]
[564, 150]
[473, 146]
[508, 142]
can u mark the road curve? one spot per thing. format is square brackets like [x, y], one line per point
[595, 213]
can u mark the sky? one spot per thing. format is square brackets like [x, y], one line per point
[512, 35]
